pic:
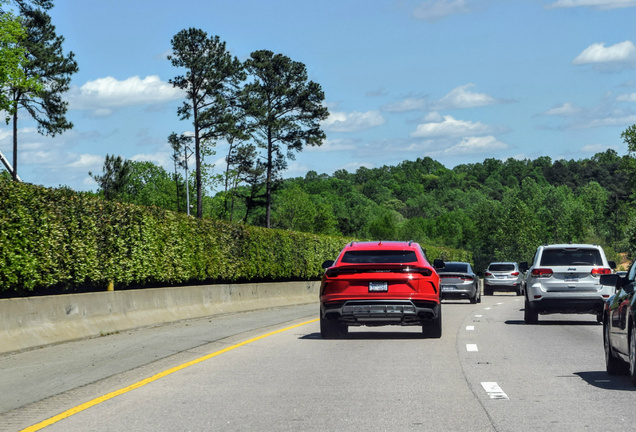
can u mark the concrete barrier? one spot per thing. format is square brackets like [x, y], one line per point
[38, 321]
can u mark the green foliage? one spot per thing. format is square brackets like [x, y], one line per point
[12, 61]
[114, 179]
[57, 240]
[148, 184]
[210, 81]
[497, 210]
[284, 111]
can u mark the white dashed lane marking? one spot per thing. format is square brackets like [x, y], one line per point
[470, 328]
[494, 391]
[471, 347]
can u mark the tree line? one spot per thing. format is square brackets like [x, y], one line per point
[497, 210]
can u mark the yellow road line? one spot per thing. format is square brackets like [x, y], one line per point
[96, 401]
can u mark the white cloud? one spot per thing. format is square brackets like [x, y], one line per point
[162, 158]
[623, 52]
[597, 4]
[450, 127]
[474, 145]
[595, 148]
[461, 97]
[435, 10]
[627, 98]
[87, 161]
[433, 116]
[103, 95]
[296, 169]
[408, 104]
[617, 120]
[565, 110]
[331, 145]
[353, 121]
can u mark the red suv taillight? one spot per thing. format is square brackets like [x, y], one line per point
[541, 272]
[600, 271]
[487, 274]
[337, 271]
[514, 274]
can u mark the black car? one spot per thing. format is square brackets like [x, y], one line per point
[619, 325]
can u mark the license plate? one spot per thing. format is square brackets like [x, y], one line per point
[571, 278]
[378, 286]
[448, 287]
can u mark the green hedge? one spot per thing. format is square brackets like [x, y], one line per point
[58, 240]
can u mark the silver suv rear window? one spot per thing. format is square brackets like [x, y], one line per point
[569, 257]
[379, 257]
[501, 267]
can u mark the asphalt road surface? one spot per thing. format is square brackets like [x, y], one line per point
[271, 371]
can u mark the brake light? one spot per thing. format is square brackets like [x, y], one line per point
[544, 273]
[423, 271]
[514, 273]
[487, 274]
[336, 271]
[600, 271]
[466, 278]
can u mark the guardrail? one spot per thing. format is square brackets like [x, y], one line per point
[33, 322]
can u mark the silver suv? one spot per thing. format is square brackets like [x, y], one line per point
[565, 278]
[503, 276]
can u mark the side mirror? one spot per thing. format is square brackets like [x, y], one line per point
[523, 266]
[612, 264]
[439, 264]
[327, 264]
[613, 280]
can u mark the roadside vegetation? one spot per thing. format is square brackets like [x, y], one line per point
[497, 210]
[60, 241]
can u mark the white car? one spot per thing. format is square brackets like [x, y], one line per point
[565, 278]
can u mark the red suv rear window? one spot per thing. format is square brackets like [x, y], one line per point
[379, 257]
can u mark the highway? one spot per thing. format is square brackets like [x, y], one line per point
[271, 371]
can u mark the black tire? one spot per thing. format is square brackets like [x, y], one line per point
[613, 364]
[530, 316]
[487, 290]
[433, 329]
[519, 291]
[632, 355]
[332, 329]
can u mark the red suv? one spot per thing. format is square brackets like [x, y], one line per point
[380, 283]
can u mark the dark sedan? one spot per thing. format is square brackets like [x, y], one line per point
[458, 281]
[619, 325]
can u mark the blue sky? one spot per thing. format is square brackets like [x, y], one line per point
[457, 80]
